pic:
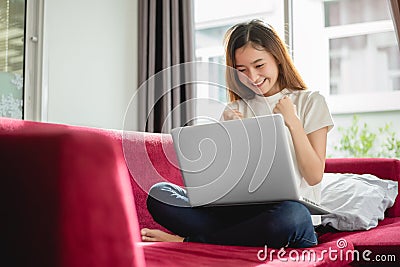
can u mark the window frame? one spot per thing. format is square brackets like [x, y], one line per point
[35, 99]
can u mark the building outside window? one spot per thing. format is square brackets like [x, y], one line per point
[347, 49]
[350, 44]
[363, 52]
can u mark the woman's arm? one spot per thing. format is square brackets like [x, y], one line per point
[310, 149]
[310, 152]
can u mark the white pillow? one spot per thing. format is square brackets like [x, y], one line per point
[357, 201]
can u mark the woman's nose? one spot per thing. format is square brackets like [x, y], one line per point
[252, 75]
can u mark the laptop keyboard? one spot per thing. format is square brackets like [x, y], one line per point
[310, 201]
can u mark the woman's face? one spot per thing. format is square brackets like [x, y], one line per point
[259, 68]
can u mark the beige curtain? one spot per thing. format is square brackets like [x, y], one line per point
[395, 10]
[166, 38]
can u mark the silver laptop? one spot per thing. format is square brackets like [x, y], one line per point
[238, 162]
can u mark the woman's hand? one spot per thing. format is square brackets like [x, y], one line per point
[232, 114]
[286, 107]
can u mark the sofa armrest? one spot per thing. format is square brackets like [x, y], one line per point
[67, 198]
[381, 167]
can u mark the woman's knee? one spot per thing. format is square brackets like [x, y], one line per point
[295, 216]
[155, 194]
[295, 210]
[296, 223]
[157, 188]
[165, 193]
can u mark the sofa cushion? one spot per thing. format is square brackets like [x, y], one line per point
[382, 240]
[198, 254]
[357, 201]
[384, 168]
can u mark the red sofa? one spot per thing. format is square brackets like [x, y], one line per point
[75, 196]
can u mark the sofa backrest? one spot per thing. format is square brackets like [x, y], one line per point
[150, 159]
[161, 165]
[67, 197]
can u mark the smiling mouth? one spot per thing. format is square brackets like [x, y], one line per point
[259, 83]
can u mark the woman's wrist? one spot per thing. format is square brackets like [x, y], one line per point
[295, 125]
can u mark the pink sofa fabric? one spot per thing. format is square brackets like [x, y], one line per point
[197, 254]
[76, 196]
[68, 197]
[150, 159]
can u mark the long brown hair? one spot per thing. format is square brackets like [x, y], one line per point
[262, 37]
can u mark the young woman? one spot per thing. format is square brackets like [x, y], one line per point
[266, 81]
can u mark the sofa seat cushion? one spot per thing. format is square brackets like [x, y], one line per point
[385, 234]
[381, 240]
[198, 254]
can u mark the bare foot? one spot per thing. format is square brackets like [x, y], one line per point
[154, 235]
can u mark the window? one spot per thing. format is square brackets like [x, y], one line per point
[12, 24]
[20, 58]
[346, 49]
[211, 25]
[354, 50]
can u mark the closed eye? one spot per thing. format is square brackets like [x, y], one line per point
[259, 66]
[241, 70]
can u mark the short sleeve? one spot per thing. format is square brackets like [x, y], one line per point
[316, 113]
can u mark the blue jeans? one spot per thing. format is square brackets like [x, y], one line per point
[276, 225]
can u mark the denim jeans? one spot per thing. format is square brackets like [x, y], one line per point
[282, 224]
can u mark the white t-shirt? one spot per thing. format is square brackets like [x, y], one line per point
[314, 114]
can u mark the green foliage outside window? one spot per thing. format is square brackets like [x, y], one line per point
[360, 141]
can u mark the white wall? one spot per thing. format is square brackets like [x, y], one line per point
[90, 62]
